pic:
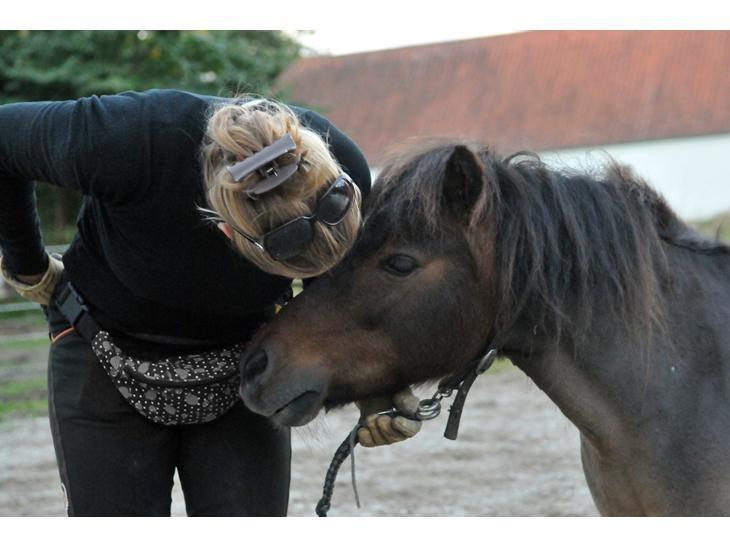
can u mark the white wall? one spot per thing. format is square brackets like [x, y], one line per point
[693, 174]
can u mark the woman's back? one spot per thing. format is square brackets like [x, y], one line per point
[144, 255]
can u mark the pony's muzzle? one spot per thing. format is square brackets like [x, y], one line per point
[254, 366]
[271, 387]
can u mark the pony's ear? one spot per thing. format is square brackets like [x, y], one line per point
[463, 182]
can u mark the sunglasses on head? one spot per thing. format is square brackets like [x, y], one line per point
[292, 238]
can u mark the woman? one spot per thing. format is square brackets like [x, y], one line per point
[283, 188]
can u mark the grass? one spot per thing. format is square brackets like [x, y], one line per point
[21, 321]
[23, 345]
[23, 389]
[20, 389]
[34, 407]
[23, 398]
[11, 358]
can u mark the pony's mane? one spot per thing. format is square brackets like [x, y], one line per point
[566, 243]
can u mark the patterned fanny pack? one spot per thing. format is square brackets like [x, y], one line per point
[186, 389]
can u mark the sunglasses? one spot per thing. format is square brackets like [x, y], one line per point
[292, 238]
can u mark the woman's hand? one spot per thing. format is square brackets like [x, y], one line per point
[384, 429]
[37, 287]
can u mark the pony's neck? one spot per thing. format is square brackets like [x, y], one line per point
[582, 382]
[607, 382]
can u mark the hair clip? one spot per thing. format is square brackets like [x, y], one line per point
[265, 163]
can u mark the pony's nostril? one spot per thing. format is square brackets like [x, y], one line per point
[255, 365]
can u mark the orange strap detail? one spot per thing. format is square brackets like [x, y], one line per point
[63, 333]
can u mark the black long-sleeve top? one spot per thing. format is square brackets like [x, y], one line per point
[143, 257]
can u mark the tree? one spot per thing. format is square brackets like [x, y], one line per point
[57, 65]
[51, 65]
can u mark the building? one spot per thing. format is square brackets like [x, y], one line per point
[656, 100]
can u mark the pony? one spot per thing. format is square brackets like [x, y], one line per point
[587, 281]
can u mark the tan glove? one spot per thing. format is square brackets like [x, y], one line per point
[383, 429]
[40, 292]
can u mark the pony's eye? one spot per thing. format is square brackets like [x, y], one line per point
[400, 265]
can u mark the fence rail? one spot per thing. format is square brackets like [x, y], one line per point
[24, 306]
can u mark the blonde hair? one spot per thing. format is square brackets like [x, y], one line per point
[243, 127]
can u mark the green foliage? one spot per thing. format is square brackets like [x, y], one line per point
[57, 65]
[52, 65]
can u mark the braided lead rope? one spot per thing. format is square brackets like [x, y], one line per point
[346, 448]
[353, 440]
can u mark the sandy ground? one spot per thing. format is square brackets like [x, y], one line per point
[516, 456]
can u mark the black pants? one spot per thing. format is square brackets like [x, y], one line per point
[115, 462]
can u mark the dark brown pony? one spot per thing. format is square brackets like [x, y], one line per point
[589, 283]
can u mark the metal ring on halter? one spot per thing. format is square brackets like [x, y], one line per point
[428, 409]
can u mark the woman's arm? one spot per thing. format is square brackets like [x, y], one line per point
[91, 145]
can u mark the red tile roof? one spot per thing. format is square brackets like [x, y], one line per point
[533, 90]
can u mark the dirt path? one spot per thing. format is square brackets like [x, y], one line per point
[516, 456]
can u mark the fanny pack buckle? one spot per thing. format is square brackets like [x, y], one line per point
[71, 304]
[74, 309]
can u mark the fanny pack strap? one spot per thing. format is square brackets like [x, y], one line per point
[72, 306]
